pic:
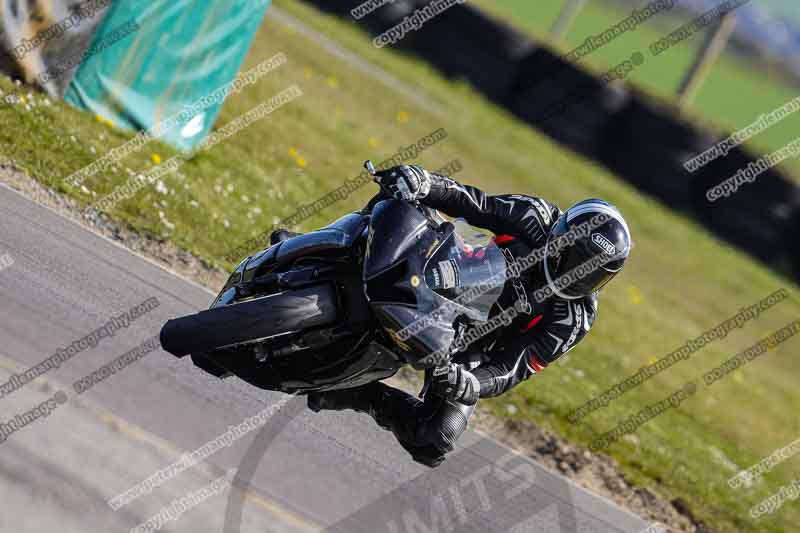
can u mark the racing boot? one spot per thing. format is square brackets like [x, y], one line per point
[396, 411]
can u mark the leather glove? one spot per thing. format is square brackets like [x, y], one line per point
[406, 182]
[455, 383]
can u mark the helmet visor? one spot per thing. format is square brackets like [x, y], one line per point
[577, 269]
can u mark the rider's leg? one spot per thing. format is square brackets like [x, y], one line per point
[426, 429]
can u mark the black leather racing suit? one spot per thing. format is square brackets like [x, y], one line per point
[540, 333]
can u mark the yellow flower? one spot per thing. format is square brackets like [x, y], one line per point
[333, 83]
[293, 151]
[155, 158]
[635, 295]
[301, 162]
[103, 120]
[373, 142]
[402, 117]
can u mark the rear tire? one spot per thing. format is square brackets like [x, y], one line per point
[251, 320]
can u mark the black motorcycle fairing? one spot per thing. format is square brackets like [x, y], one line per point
[351, 225]
[337, 239]
[396, 228]
[373, 362]
[401, 240]
[436, 337]
[228, 293]
[422, 275]
[341, 235]
[262, 261]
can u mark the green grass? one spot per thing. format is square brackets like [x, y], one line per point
[680, 280]
[734, 95]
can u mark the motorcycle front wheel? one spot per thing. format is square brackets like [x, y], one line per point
[250, 320]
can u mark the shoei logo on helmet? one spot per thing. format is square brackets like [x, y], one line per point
[607, 246]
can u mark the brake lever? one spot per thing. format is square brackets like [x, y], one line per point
[370, 167]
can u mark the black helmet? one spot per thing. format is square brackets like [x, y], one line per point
[594, 244]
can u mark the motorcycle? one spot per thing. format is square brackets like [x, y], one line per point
[348, 304]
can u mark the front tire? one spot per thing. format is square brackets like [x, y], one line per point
[250, 320]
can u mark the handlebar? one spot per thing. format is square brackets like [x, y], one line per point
[370, 168]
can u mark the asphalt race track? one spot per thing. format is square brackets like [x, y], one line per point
[299, 471]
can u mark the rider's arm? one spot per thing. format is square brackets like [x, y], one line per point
[531, 352]
[522, 216]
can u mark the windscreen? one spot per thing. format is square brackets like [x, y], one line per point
[467, 272]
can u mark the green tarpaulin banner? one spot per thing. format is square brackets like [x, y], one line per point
[163, 65]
